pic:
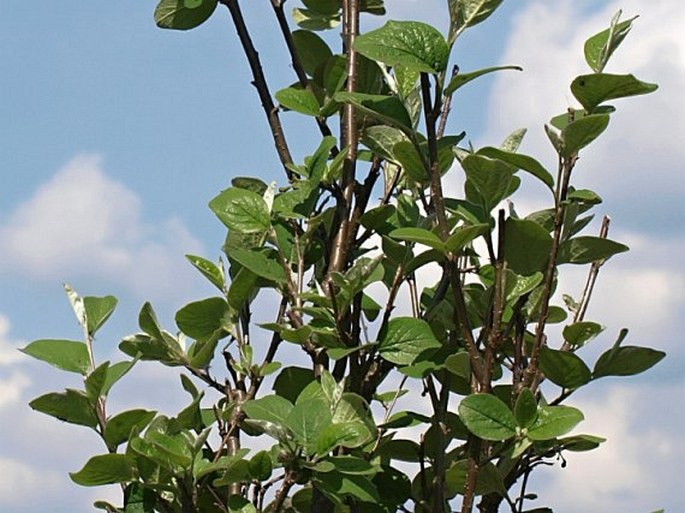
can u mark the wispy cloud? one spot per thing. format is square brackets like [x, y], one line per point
[637, 163]
[82, 222]
[638, 468]
[637, 167]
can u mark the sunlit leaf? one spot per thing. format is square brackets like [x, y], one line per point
[68, 355]
[487, 417]
[554, 421]
[104, 469]
[182, 14]
[241, 210]
[404, 339]
[461, 79]
[412, 44]
[591, 90]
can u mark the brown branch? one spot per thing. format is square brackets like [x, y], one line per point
[565, 168]
[297, 62]
[494, 330]
[259, 81]
[349, 138]
[446, 107]
[592, 276]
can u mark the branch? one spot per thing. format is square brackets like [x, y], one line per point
[592, 276]
[297, 63]
[349, 138]
[565, 168]
[259, 81]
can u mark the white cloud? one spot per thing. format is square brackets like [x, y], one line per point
[645, 298]
[20, 482]
[14, 382]
[636, 167]
[8, 347]
[82, 222]
[637, 468]
[11, 388]
[642, 149]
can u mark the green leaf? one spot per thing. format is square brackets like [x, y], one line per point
[487, 417]
[118, 428]
[353, 465]
[526, 409]
[291, 381]
[467, 13]
[419, 235]
[414, 45]
[588, 249]
[626, 361]
[581, 132]
[241, 210]
[272, 408]
[95, 382]
[104, 469]
[147, 320]
[564, 368]
[353, 408]
[581, 443]
[181, 15]
[463, 235]
[526, 246]
[72, 406]
[591, 90]
[598, 48]
[488, 480]
[459, 364]
[461, 79]
[262, 263]
[404, 339]
[409, 158]
[114, 373]
[202, 319]
[144, 347]
[209, 270]
[386, 109]
[261, 466]
[298, 99]
[520, 161]
[382, 140]
[522, 285]
[306, 420]
[580, 333]
[350, 434]
[562, 120]
[554, 421]
[242, 288]
[138, 499]
[98, 310]
[312, 20]
[68, 355]
[76, 303]
[375, 7]
[312, 51]
[317, 163]
[170, 448]
[323, 6]
[490, 177]
[341, 485]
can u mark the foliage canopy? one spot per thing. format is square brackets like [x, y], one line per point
[359, 229]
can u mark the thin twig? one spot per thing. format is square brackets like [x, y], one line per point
[259, 81]
[592, 276]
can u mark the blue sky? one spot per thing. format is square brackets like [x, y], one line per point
[115, 135]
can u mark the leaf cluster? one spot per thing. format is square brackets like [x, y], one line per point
[361, 227]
